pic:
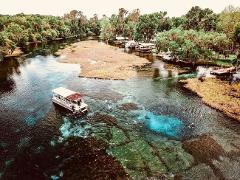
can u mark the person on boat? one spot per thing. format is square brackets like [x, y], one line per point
[73, 108]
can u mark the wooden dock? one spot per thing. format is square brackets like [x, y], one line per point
[145, 47]
[223, 71]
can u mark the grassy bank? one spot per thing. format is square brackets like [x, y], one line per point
[217, 94]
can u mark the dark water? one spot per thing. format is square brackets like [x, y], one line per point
[138, 128]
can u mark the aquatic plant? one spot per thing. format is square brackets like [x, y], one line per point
[81, 129]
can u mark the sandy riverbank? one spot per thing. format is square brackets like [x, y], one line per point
[99, 60]
[217, 94]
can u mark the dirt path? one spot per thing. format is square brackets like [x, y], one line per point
[99, 60]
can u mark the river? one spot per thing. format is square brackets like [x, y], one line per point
[141, 127]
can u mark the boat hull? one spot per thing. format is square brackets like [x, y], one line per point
[68, 107]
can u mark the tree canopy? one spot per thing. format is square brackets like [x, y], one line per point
[150, 24]
[229, 22]
[201, 19]
[198, 34]
[192, 44]
[21, 29]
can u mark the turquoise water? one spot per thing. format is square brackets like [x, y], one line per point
[165, 125]
[170, 132]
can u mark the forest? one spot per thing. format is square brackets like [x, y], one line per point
[199, 34]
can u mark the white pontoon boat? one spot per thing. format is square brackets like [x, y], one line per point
[69, 99]
[131, 44]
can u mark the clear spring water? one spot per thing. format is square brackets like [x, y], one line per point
[159, 138]
[162, 124]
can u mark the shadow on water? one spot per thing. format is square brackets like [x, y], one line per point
[12, 65]
[7, 69]
[45, 49]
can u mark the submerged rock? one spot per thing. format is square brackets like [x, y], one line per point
[138, 160]
[118, 137]
[128, 106]
[143, 159]
[229, 167]
[199, 172]
[172, 155]
[105, 94]
[109, 120]
[204, 149]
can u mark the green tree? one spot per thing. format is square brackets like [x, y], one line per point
[107, 30]
[200, 19]
[191, 44]
[131, 23]
[14, 31]
[121, 21]
[94, 25]
[237, 34]
[229, 20]
[150, 24]
[178, 21]
[20, 29]
[78, 23]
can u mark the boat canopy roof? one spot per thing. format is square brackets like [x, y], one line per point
[121, 38]
[147, 44]
[68, 94]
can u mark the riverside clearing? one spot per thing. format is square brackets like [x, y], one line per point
[99, 60]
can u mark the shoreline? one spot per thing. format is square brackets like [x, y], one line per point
[18, 51]
[217, 94]
[102, 61]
